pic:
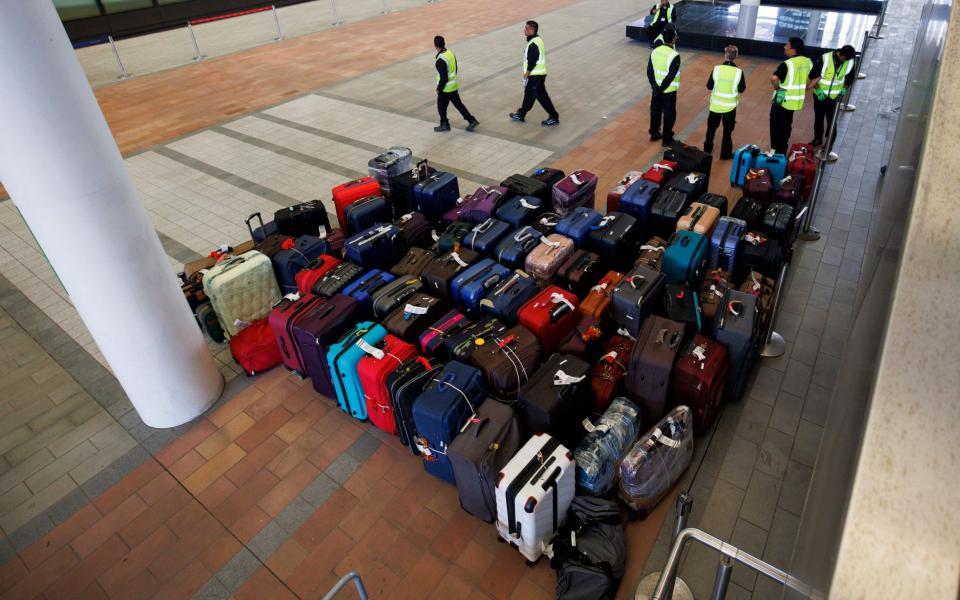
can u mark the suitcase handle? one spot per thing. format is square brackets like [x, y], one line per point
[491, 281]
[480, 425]
[249, 227]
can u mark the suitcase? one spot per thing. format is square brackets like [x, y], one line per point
[666, 211]
[195, 266]
[699, 379]
[336, 279]
[442, 411]
[590, 550]
[367, 212]
[313, 271]
[317, 330]
[693, 184]
[638, 201]
[452, 236]
[544, 261]
[507, 361]
[283, 318]
[342, 360]
[580, 272]
[743, 160]
[637, 295]
[308, 218]
[365, 286]
[412, 263]
[525, 185]
[393, 294]
[505, 300]
[409, 320]
[546, 223]
[432, 340]
[481, 205]
[655, 463]
[378, 247]
[749, 211]
[462, 344]
[347, 193]
[597, 302]
[725, 243]
[576, 189]
[577, 224]
[791, 191]
[242, 289]
[557, 398]
[737, 326]
[606, 443]
[759, 253]
[550, 315]
[651, 364]
[534, 491]
[616, 194]
[761, 287]
[717, 201]
[255, 349]
[192, 289]
[513, 249]
[685, 258]
[268, 241]
[715, 284]
[469, 287]
[586, 338]
[209, 323]
[616, 238]
[609, 373]
[385, 167]
[440, 272]
[404, 386]
[293, 258]
[681, 304]
[802, 164]
[521, 210]
[479, 452]
[661, 172]
[689, 158]
[436, 195]
[548, 176]
[651, 253]
[699, 218]
[779, 223]
[776, 164]
[416, 230]
[484, 237]
[374, 370]
[335, 240]
[401, 188]
[759, 185]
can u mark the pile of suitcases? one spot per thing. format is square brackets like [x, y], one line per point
[527, 347]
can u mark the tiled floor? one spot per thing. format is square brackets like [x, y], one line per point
[276, 492]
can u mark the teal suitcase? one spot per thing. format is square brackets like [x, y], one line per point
[684, 258]
[343, 357]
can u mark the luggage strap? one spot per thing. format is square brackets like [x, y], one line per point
[692, 178]
[649, 248]
[575, 178]
[473, 411]
[604, 222]
[558, 298]
[658, 437]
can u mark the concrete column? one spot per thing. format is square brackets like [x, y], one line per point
[62, 168]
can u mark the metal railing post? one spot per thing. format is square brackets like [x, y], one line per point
[879, 22]
[826, 153]
[116, 54]
[276, 23]
[357, 582]
[846, 106]
[684, 506]
[336, 15]
[774, 344]
[722, 581]
[196, 48]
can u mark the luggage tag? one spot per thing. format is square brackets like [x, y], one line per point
[370, 349]
[649, 248]
[700, 352]
[558, 298]
[527, 205]
[410, 310]
[561, 378]
[590, 427]
[575, 178]
[603, 222]
[658, 437]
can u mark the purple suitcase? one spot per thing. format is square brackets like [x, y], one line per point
[576, 189]
[318, 330]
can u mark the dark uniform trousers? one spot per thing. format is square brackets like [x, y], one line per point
[781, 125]
[663, 107]
[444, 99]
[823, 116]
[729, 120]
[536, 90]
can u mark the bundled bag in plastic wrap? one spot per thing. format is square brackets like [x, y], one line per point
[589, 552]
[657, 461]
[603, 448]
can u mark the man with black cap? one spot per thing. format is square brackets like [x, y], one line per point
[448, 87]
[834, 75]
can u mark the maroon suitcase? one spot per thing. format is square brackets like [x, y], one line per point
[651, 365]
[318, 330]
[758, 185]
[507, 361]
[699, 379]
[550, 315]
[610, 371]
[283, 318]
[586, 339]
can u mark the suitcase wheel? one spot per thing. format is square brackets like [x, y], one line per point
[532, 563]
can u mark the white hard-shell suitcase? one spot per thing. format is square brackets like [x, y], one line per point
[534, 492]
[242, 289]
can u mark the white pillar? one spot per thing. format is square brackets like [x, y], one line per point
[62, 168]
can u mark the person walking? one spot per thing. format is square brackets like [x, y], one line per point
[790, 83]
[834, 76]
[535, 78]
[448, 87]
[663, 15]
[726, 83]
[663, 73]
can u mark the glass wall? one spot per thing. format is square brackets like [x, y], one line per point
[70, 10]
[116, 6]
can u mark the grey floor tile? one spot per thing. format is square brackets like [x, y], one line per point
[796, 380]
[364, 447]
[720, 512]
[806, 347]
[30, 532]
[766, 384]
[832, 255]
[807, 443]
[786, 413]
[67, 506]
[749, 538]
[814, 320]
[295, 514]
[237, 570]
[817, 404]
[327, 483]
[826, 370]
[774, 454]
[265, 543]
[796, 482]
[739, 462]
[782, 537]
[760, 500]
[212, 590]
[753, 420]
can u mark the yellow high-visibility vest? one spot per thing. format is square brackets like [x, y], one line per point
[831, 79]
[662, 57]
[448, 57]
[541, 67]
[795, 86]
[726, 88]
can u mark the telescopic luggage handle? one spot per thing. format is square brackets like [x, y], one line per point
[257, 216]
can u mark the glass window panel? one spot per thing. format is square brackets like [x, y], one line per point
[172, 1]
[116, 6]
[70, 10]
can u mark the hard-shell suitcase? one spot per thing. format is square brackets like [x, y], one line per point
[689, 158]
[762, 287]
[367, 212]
[779, 222]
[586, 339]
[759, 253]
[715, 284]
[776, 164]
[409, 320]
[802, 164]
[638, 200]
[442, 411]
[681, 304]
[699, 379]
[242, 289]
[393, 294]
[452, 236]
[194, 267]
[342, 360]
[401, 187]
[347, 193]
[737, 326]
[749, 211]
[462, 344]
[526, 185]
[597, 302]
[699, 218]
[308, 218]
[485, 236]
[432, 339]
[636, 296]
[506, 298]
[576, 189]
[534, 491]
[660, 172]
[549, 176]
[472, 284]
[550, 315]
[616, 238]
[692, 184]
[416, 230]
[283, 318]
[313, 271]
[513, 249]
[743, 160]
[651, 253]
[376, 248]
[374, 370]
[507, 361]
[685, 258]
[317, 330]
[405, 385]
[578, 223]
[255, 349]
[759, 185]
[651, 364]
[336, 279]
[394, 161]
[580, 272]
[616, 194]
[546, 223]
[412, 263]
[544, 261]
[716, 201]
[791, 191]
[610, 372]
[725, 243]
[655, 463]
[293, 258]
[442, 269]
[557, 398]
[479, 452]
[606, 443]
[365, 286]
[666, 211]
[520, 210]
[436, 195]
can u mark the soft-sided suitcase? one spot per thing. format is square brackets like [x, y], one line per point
[666, 211]
[401, 187]
[597, 302]
[313, 271]
[336, 279]
[432, 339]
[478, 206]
[610, 372]
[637, 295]
[242, 289]
[436, 195]
[472, 284]
[195, 266]
[347, 193]
[367, 212]
[416, 230]
[725, 243]
[520, 210]
[685, 257]
[660, 172]
[699, 218]
[463, 343]
[715, 284]
[749, 211]
[409, 320]
[442, 411]
[442, 269]
[405, 385]
[578, 223]
[779, 222]
[791, 191]
[681, 304]
[586, 339]
[651, 253]
[759, 185]
[374, 370]
[479, 452]
[308, 218]
[651, 365]
[342, 360]
[737, 326]
[616, 194]
[386, 166]
[452, 235]
[655, 463]
[550, 315]
[549, 176]
[534, 491]
[513, 249]
[606, 443]
[580, 272]
[412, 263]
[776, 164]
[267, 240]
[638, 200]
[762, 287]
[507, 361]
[692, 184]
[616, 238]
[365, 286]
[699, 379]
[590, 551]
[716, 201]
[576, 189]
[485, 236]
[283, 318]
[255, 349]
[393, 294]
[317, 330]
[544, 260]
[557, 398]
[525, 185]
[295, 256]
[689, 158]
[743, 160]
[802, 164]
[759, 253]
[506, 298]
[378, 247]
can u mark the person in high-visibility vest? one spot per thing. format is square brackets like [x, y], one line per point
[834, 76]
[663, 15]
[726, 83]
[663, 73]
[790, 83]
[535, 78]
[448, 86]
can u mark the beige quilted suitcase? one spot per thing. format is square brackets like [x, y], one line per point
[699, 218]
[241, 289]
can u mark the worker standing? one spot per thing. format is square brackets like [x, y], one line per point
[663, 73]
[448, 87]
[790, 82]
[834, 76]
[663, 15]
[535, 78]
[726, 84]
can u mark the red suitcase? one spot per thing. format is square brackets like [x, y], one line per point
[255, 349]
[699, 378]
[314, 270]
[661, 172]
[614, 195]
[610, 372]
[282, 318]
[801, 161]
[347, 193]
[550, 315]
[373, 370]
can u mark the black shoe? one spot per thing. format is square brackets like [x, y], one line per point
[667, 142]
[655, 136]
[442, 127]
[708, 150]
[552, 121]
[517, 117]
[472, 125]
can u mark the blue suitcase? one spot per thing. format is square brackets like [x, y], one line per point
[505, 300]
[363, 288]
[637, 201]
[367, 212]
[473, 283]
[775, 163]
[287, 263]
[684, 258]
[725, 243]
[342, 360]
[737, 326]
[436, 195]
[520, 210]
[512, 250]
[378, 247]
[743, 160]
[577, 225]
[441, 412]
[483, 238]
[262, 232]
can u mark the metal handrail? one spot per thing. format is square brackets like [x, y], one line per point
[355, 577]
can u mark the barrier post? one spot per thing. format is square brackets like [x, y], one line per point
[116, 54]
[336, 15]
[193, 38]
[879, 23]
[775, 345]
[722, 581]
[826, 153]
[276, 22]
[846, 106]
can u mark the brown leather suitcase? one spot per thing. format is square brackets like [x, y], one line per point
[699, 218]
[610, 371]
[715, 283]
[651, 253]
[580, 272]
[412, 263]
[507, 361]
[596, 304]
[651, 365]
[699, 379]
[440, 272]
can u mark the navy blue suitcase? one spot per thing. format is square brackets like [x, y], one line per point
[505, 300]
[444, 408]
[367, 212]
[725, 243]
[520, 210]
[262, 232]
[436, 195]
[638, 199]
[287, 263]
[363, 288]
[577, 225]
[473, 283]
[616, 238]
[483, 238]
[378, 247]
[512, 250]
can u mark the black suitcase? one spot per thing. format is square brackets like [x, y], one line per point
[717, 201]
[749, 211]
[401, 188]
[666, 211]
[779, 222]
[455, 232]
[440, 272]
[405, 386]
[638, 294]
[416, 230]
[681, 303]
[759, 253]
[546, 222]
[302, 219]
[525, 185]
[557, 398]
[412, 263]
[736, 326]
[616, 239]
[548, 176]
[410, 319]
[462, 344]
[580, 272]
[394, 294]
[689, 158]
[693, 184]
[337, 278]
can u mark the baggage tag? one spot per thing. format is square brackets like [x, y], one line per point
[322, 233]
[410, 310]
[657, 436]
[701, 353]
[370, 349]
[292, 297]
[590, 427]
[240, 324]
[527, 205]
[562, 378]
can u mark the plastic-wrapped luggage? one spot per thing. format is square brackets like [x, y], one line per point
[242, 289]
[658, 459]
[388, 165]
[607, 441]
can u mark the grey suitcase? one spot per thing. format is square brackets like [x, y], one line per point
[651, 364]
